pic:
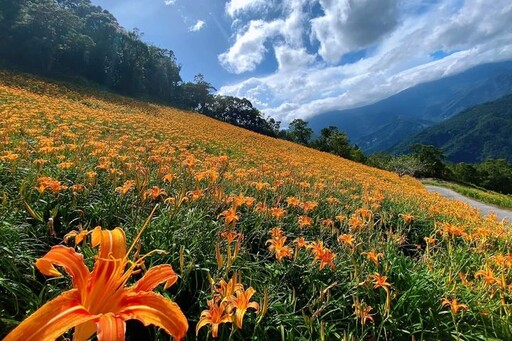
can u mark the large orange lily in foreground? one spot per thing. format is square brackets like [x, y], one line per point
[99, 301]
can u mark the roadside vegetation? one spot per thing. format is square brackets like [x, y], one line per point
[488, 197]
[313, 246]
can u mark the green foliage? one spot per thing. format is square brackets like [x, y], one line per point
[333, 141]
[298, 131]
[489, 197]
[407, 164]
[495, 175]
[432, 159]
[240, 112]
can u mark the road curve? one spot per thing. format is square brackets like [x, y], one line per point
[483, 208]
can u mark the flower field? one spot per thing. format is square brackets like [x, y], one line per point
[254, 237]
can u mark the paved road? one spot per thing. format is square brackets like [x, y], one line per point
[484, 208]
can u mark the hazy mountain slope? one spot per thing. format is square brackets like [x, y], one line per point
[433, 101]
[398, 130]
[474, 135]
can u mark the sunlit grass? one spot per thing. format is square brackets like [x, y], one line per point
[486, 196]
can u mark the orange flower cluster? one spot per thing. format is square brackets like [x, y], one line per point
[229, 304]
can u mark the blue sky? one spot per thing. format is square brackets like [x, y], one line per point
[299, 58]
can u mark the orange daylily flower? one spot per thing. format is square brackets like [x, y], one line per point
[322, 254]
[277, 212]
[230, 236]
[99, 301]
[407, 218]
[309, 206]
[154, 193]
[487, 274]
[305, 221]
[276, 232]
[380, 281]
[292, 201]
[231, 216]
[278, 248]
[374, 257]
[214, 316]
[241, 302]
[126, 187]
[362, 312]
[301, 242]
[346, 239]
[454, 305]
[226, 289]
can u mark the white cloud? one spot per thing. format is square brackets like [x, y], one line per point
[401, 41]
[235, 7]
[352, 24]
[197, 26]
[169, 2]
[290, 59]
[249, 48]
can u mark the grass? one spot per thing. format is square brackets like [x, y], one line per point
[485, 196]
[334, 249]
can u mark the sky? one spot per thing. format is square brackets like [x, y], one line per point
[299, 58]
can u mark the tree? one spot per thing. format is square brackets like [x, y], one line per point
[240, 112]
[432, 158]
[408, 164]
[496, 175]
[299, 131]
[333, 141]
[196, 95]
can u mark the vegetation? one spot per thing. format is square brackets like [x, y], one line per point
[318, 247]
[472, 136]
[331, 140]
[429, 162]
[76, 39]
[489, 197]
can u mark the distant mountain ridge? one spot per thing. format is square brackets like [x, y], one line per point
[474, 135]
[378, 126]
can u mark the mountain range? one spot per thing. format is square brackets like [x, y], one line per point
[382, 125]
[474, 135]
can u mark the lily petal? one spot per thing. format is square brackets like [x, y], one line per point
[111, 242]
[155, 276]
[111, 328]
[152, 308]
[53, 319]
[205, 320]
[70, 260]
[84, 331]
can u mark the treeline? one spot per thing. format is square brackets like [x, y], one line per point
[422, 161]
[74, 38]
[330, 140]
[428, 161]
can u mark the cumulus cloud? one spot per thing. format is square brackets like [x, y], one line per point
[197, 26]
[290, 59]
[235, 7]
[169, 2]
[352, 24]
[249, 48]
[398, 51]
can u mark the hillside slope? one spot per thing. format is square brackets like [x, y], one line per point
[319, 245]
[474, 135]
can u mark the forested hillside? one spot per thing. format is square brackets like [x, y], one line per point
[474, 135]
